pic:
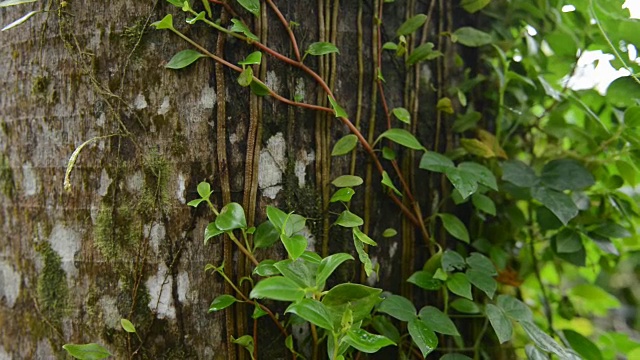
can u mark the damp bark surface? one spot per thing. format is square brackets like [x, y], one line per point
[122, 243]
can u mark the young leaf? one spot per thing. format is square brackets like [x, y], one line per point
[471, 37]
[252, 59]
[422, 336]
[454, 226]
[207, 7]
[277, 218]
[402, 114]
[500, 323]
[231, 217]
[328, 265]
[458, 284]
[211, 231]
[253, 6]
[434, 161]
[222, 302]
[425, 280]
[348, 219]
[204, 190]
[363, 237]
[90, 351]
[465, 306]
[240, 27]
[7, 3]
[422, 53]
[359, 298]
[363, 256]
[344, 145]
[246, 341]
[127, 325]
[365, 341]
[322, 48]
[165, 23]
[347, 181]
[398, 307]
[339, 111]
[295, 245]
[265, 235]
[259, 88]
[402, 137]
[344, 195]
[388, 153]
[389, 232]
[438, 321]
[183, 59]
[313, 311]
[246, 77]
[201, 16]
[386, 180]
[20, 20]
[412, 24]
[277, 288]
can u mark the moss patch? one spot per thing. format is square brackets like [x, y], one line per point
[52, 287]
[155, 194]
[117, 233]
[7, 184]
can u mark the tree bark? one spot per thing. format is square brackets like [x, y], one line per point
[122, 243]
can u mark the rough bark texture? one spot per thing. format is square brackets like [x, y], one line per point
[122, 243]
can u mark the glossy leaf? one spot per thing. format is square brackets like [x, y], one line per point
[231, 217]
[328, 265]
[295, 245]
[338, 110]
[559, 203]
[252, 59]
[464, 181]
[482, 281]
[412, 24]
[277, 217]
[322, 48]
[363, 256]
[422, 336]
[359, 298]
[386, 181]
[127, 326]
[566, 174]
[389, 232]
[348, 219]
[438, 321]
[458, 284]
[582, 345]
[425, 280]
[519, 174]
[211, 231]
[402, 114]
[422, 53]
[344, 195]
[222, 302]
[265, 235]
[302, 272]
[383, 325]
[365, 341]
[499, 322]
[473, 6]
[246, 77]
[277, 288]
[258, 88]
[313, 311]
[253, 6]
[401, 137]
[266, 268]
[434, 161]
[471, 37]
[454, 227]
[344, 145]
[398, 307]
[165, 23]
[90, 351]
[481, 173]
[347, 181]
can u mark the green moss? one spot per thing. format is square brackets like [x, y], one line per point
[155, 194]
[117, 232]
[52, 285]
[131, 34]
[40, 85]
[7, 184]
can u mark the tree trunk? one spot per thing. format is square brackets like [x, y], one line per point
[122, 243]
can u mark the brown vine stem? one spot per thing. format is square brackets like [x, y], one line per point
[287, 26]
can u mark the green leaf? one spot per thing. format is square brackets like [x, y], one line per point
[313, 311]
[241, 28]
[252, 59]
[365, 341]
[566, 174]
[482, 281]
[259, 88]
[632, 116]
[127, 326]
[568, 241]
[246, 77]
[402, 114]
[481, 173]
[363, 237]
[559, 203]
[465, 306]
[339, 111]
[347, 181]
[434, 161]
[183, 59]
[543, 340]
[389, 232]
[481, 263]
[386, 180]
[446, 107]
[165, 23]
[363, 256]
[533, 353]
[514, 308]
[402, 137]
[398, 307]
[265, 235]
[422, 336]
[322, 48]
[582, 345]
[266, 268]
[246, 341]
[451, 260]
[412, 24]
[610, 229]
[484, 203]
[344, 145]
[201, 16]
[222, 302]
[231, 217]
[204, 190]
[21, 20]
[90, 351]
[388, 153]
[348, 219]
[471, 37]
[472, 6]
[425, 280]
[277, 288]
[519, 174]
[277, 218]
[438, 321]
[458, 284]
[454, 226]
[500, 323]
[383, 325]
[253, 6]
[7, 3]
[623, 92]
[422, 53]
[452, 356]
[328, 265]
[295, 245]
[344, 195]
[465, 182]
[211, 231]
[302, 272]
[359, 298]
[195, 202]
[207, 7]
